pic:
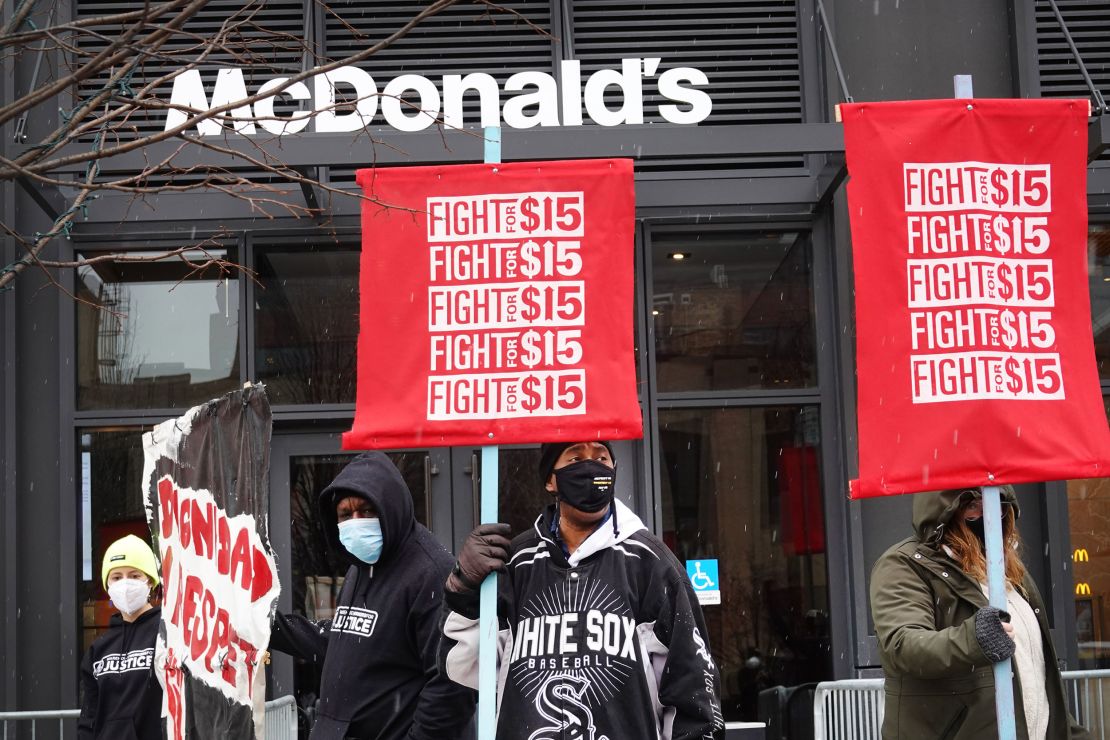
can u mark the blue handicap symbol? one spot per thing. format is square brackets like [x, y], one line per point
[703, 574]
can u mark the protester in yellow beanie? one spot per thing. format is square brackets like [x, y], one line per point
[132, 552]
[121, 698]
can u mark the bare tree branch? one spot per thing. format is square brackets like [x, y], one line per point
[116, 70]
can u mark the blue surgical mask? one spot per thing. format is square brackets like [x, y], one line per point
[362, 538]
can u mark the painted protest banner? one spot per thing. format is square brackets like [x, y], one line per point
[496, 305]
[973, 326]
[207, 501]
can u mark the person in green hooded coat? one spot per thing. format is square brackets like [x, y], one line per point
[939, 637]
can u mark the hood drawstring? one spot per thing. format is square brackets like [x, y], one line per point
[613, 513]
[558, 516]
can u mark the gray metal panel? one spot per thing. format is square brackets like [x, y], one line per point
[1035, 529]
[748, 49]
[911, 50]
[40, 586]
[1098, 188]
[1098, 141]
[1088, 22]
[756, 198]
[382, 146]
[653, 444]
[879, 523]
[67, 481]
[45, 626]
[1023, 28]
[9, 431]
[837, 555]
[466, 494]
[280, 675]
[463, 38]
[859, 614]
[9, 423]
[1059, 588]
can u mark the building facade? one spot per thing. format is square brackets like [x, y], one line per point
[744, 326]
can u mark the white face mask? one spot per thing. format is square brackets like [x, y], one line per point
[129, 594]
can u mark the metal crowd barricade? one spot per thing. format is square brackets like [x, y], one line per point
[47, 715]
[281, 720]
[1087, 699]
[851, 709]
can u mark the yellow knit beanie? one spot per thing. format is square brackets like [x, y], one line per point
[133, 552]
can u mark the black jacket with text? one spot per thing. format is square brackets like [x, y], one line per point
[379, 676]
[121, 699]
[606, 644]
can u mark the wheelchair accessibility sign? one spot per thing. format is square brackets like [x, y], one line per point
[703, 576]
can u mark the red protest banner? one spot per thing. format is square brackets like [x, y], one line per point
[207, 502]
[496, 305]
[973, 324]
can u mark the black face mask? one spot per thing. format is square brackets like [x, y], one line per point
[976, 527]
[587, 485]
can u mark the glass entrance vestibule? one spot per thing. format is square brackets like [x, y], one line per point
[731, 468]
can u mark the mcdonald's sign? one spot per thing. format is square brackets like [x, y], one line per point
[1082, 589]
[1080, 555]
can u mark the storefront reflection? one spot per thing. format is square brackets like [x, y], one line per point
[306, 318]
[156, 334]
[1089, 521]
[733, 310]
[742, 486]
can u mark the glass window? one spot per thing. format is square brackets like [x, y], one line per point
[1098, 251]
[317, 572]
[306, 314]
[742, 486]
[733, 310]
[166, 335]
[111, 467]
[1088, 512]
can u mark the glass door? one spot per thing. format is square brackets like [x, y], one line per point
[301, 466]
[446, 490]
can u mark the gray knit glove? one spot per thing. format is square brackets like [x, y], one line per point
[993, 640]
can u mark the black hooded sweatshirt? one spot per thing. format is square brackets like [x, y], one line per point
[121, 698]
[379, 679]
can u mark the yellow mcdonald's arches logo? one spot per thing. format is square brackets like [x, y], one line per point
[1082, 589]
[1080, 555]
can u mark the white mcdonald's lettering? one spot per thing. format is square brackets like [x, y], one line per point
[536, 101]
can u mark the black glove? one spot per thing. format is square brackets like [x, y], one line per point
[993, 640]
[486, 549]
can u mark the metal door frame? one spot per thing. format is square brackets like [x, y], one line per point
[285, 446]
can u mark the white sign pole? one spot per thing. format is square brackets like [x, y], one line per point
[996, 562]
[487, 645]
[996, 580]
